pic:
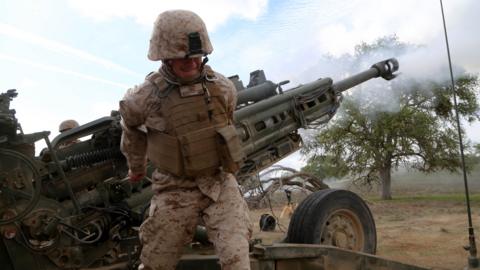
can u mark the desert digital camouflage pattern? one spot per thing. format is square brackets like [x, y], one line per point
[174, 216]
[67, 124]
[141, 107]
[180, 203]
[170, 36]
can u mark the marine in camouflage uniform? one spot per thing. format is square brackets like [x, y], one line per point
[184, 126]
[65, 126]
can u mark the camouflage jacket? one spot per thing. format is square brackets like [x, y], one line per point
[139, 109]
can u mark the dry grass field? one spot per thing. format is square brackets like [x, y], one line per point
[424, 231]
[425, 224]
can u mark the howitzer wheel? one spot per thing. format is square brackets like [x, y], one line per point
[334, 217]
[18, 175]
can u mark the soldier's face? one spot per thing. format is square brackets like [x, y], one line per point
[186, 68]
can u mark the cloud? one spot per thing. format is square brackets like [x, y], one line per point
[144, 12]
[58, 47]
[60, 70]
[104, 108]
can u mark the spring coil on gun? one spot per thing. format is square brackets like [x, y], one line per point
[89, 158]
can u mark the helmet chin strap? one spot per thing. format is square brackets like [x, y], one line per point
[174, 79]
[204, 61]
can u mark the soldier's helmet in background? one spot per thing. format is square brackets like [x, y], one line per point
[179, 34]
[67, 124]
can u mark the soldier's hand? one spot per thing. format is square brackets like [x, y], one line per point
[135, 177]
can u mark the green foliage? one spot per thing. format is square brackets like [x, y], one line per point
[472, 157]
[386, 42]
[325, 167]
[418, 129]
[476, 148]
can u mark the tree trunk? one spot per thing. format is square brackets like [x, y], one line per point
[386, 180]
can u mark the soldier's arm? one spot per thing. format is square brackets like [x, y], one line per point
[232, 104]
[134, 109]
[230, 94]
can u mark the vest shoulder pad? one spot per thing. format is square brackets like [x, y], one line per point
[157, 79]
[209, 72]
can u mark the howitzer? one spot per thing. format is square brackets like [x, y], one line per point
[72, 208]
[268, 118]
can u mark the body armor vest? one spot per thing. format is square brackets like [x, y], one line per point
[198, 139]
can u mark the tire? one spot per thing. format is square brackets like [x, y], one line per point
[334, 217]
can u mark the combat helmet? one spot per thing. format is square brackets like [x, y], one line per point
[67, 124]
[179, 34]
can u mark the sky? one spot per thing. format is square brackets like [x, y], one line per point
[75, 59]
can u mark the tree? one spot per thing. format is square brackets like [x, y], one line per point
[416, 129]
[323, 166]
[472, 157]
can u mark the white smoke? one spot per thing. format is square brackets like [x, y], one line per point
[420, 67]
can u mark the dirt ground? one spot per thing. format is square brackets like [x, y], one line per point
[423, 232]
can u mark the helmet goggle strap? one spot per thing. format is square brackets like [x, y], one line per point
[194, 45]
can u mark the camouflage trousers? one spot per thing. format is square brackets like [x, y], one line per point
[174, 216]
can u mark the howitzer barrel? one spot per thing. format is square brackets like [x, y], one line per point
[382, 69]
[280, 103]
[264, 125]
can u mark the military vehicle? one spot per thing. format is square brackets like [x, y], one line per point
[73, 208]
